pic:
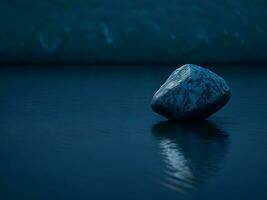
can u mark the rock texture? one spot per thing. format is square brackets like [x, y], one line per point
[191, 92]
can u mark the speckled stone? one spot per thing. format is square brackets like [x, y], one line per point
[191, 92]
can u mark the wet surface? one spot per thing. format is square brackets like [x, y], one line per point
[89, 133]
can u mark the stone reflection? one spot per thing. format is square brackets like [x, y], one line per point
[191, 152]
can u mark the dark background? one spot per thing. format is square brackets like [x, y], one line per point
[133, 31]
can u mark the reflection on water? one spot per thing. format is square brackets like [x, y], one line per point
[85, 133]
[191, 152]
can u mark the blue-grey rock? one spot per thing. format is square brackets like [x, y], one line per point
[191, 92]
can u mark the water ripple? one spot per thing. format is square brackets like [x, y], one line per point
[190, 153]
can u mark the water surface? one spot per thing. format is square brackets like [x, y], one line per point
[89, 133]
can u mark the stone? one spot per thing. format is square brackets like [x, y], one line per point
[191, 92]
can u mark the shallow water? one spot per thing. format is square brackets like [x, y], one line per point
[89, 133]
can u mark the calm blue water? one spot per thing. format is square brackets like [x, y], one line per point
[90, 133]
